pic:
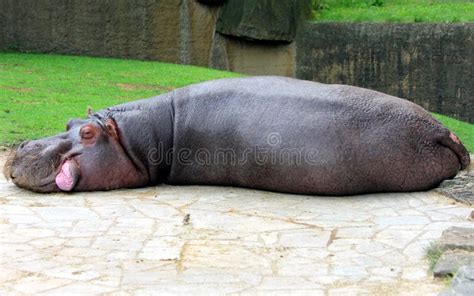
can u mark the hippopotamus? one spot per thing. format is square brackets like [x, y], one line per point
[269, 133]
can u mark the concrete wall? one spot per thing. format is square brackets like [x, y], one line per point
[430, 64]
[119, 28]
[176, 31]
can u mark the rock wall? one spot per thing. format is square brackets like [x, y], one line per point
[430, 64]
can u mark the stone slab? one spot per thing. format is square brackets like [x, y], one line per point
[463, 283]
[451, 261]
[461, 188]
[457, 238]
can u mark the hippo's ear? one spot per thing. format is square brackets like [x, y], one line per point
[112, 129]
[89, 111]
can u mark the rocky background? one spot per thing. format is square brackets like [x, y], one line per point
[431, 64]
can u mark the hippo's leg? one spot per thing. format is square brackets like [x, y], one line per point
[444, 158]
[454, 144]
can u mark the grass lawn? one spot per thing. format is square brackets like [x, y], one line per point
[39, 93]
[402, 11]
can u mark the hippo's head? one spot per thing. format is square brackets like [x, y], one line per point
[88, 156]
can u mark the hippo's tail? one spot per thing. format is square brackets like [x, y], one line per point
[452, 142]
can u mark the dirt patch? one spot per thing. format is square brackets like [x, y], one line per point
[132, 87]
[11, 65]
[19, 89]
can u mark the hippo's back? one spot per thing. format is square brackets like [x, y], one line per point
[298, 136]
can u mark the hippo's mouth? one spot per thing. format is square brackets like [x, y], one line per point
[68, 175]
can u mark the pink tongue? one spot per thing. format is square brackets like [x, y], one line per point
[64, 179]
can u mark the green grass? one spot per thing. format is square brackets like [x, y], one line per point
[399, 11]
[432, 254]
[39, 93]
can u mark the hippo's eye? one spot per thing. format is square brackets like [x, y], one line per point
[87, 132]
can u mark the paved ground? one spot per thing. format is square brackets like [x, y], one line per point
[197, 240]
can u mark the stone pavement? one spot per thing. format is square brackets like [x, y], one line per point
[220, 240]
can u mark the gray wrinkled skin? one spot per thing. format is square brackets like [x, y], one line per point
[282, 134]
